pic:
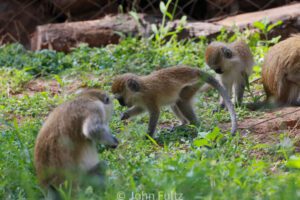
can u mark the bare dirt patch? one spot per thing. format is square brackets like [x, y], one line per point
[52, 86]
[39, 85]
[267, 127]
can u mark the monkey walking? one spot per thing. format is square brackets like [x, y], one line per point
[281, 72]
[233, 64]
[174, 86]
[66, 145]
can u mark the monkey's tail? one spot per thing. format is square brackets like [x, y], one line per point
[212, 81]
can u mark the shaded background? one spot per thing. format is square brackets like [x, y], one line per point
[19, 18]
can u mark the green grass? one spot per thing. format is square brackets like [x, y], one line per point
[187, 163]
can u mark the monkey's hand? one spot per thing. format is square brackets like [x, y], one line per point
[219, 108]
[124, 116]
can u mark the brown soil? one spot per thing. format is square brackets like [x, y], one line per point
[52, 86]
[39, 85]
[267, 127]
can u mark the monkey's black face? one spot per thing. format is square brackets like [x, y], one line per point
[219, 71]
[121, 101]
[227, 53]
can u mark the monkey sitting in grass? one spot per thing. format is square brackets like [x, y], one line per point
[65, 147]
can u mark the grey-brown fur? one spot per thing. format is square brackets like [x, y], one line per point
[66, 144]
[174, 86]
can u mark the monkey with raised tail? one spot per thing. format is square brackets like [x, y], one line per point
[65, 147]
[175, 86]
[233, 64]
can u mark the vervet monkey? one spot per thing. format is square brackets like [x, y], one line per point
[233, 64]
[174, 86]
[281, 72]
[66, 144]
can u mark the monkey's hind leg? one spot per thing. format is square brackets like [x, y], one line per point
[178, 113]
[187, 111]
[184, 104]
[239, 89]
[292, 88]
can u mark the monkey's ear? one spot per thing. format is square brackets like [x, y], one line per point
[227, 52]
[133, 85]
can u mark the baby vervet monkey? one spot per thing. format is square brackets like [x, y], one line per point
[233, 64]
[281, 72]
[66, 145]
[174, 86]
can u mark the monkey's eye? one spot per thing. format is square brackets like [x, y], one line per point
[106, 100]
[227, 52]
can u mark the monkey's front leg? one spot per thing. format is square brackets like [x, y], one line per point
[154, 115]
[239, 92]
[135, 110]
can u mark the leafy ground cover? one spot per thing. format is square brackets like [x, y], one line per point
[183, 163]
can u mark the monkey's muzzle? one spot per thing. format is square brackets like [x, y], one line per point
[219, 71]
[115, 143]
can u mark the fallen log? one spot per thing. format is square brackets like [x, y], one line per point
[109, 30]
[64, 36]
[289, 15]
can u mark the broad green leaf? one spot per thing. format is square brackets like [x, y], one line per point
[154, 28]
[257, 68]
[294, 162]
[259, 25]
[162, 7]
[270, 27]
[201, 142]
[183, 19]
[59, 80]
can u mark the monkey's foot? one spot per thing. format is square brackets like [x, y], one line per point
[124, 116]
